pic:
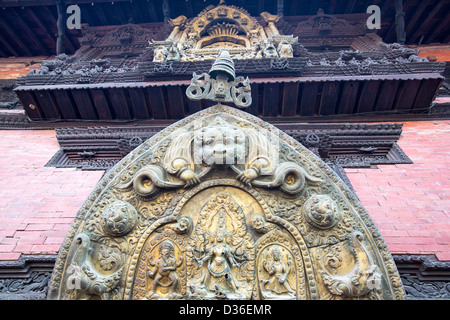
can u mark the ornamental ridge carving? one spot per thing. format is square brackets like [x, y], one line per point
[222, 205]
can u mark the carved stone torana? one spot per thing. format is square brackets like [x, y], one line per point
[247, 213]
[223, 27]
[221, 205]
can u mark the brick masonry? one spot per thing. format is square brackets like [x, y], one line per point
[38, 202]
[12, 68]
[409, 203]
[440, 52]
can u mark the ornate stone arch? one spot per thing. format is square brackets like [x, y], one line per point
[141, 217]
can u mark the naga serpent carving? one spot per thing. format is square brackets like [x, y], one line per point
[85, 281]
[361, 280]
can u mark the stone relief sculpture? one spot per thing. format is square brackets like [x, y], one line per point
[278, 268]
[222, 205]
[163, 271]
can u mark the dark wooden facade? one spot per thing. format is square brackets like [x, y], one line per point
[346, 71]
[29, 26]
[291, 98]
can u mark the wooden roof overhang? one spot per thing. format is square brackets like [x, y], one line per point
[272, 97]
[291, 87]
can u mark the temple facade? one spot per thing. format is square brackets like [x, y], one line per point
[228, 152]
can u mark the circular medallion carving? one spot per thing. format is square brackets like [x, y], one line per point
[321, 212]
[119, 218]
[312, 139]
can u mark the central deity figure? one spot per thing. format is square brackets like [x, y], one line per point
[221, 257]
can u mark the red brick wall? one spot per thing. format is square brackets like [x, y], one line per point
[410, 203]
[12, 68]
[38, 204]
[441, 52]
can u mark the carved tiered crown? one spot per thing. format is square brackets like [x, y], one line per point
[225, 64]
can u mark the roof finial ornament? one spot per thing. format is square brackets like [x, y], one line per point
[221, 84]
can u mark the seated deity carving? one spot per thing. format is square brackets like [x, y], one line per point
[164, 273]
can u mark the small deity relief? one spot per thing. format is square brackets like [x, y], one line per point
[160, 54]
[184, 225]
[270, 51]
[285, 49]
[278, 267]
[119, 218]
[321, 212]
[218, 280]
[259, 225]
[163, 272]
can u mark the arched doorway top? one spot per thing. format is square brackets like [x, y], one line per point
[223, 186]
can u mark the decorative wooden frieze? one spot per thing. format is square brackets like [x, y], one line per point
[123, 73]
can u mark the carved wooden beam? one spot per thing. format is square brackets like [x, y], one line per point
[61, 25]
[166, 10]
[400, 21]
[280, 8]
